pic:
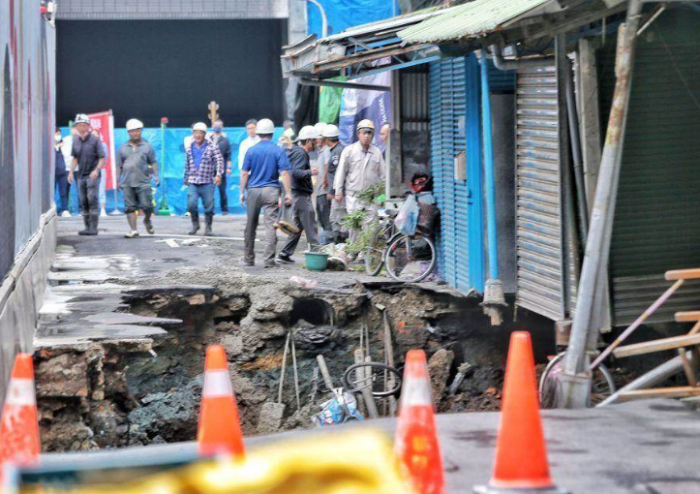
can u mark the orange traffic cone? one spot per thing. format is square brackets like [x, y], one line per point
[19, 425]
[416, 442]
[219, 424]
[521, 454]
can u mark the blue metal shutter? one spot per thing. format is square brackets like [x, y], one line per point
[447, 115]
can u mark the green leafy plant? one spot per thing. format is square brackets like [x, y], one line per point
[354, 220]
[364, 238]
[370, 193]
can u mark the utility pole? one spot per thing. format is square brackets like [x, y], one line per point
[576, 378]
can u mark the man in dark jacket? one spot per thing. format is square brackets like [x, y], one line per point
[302, 188]
[220, 139]
[61, 175]
[89, 155]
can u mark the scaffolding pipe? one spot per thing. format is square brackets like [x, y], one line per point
[579, 180]
[576, 377]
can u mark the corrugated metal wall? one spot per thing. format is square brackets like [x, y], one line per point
[448, 139]
[540, 236]
[415, 101]
[27, 79]
[657, 220]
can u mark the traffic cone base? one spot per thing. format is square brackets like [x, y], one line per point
[487, 489]
[521, 454]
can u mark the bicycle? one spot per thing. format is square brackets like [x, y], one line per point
[384, 232]
[409, 259]
[602, 383]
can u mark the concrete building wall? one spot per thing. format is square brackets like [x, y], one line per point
[171, 9]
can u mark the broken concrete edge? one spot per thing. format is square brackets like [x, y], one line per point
[22, 293]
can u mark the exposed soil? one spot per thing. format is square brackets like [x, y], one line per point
[116, 394]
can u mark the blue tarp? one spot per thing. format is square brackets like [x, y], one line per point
[172, 166]
[343, 14]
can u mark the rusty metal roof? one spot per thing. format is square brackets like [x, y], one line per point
[474, 19]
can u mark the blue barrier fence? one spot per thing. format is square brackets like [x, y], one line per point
[169, 146]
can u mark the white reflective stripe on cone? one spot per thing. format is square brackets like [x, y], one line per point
[416, 392]
[217, 383]
[21, 393]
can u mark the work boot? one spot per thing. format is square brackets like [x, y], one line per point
[208, 220]
[86, 222]
[195, 224]
[92, 225]
[148, 224]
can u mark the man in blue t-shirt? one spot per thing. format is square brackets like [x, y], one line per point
[263, 165]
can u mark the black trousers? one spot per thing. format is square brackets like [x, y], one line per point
[62, 188]
[222, 194]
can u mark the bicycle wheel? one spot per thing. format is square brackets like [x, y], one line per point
[602, 387]
[410, 259]
[374, 255]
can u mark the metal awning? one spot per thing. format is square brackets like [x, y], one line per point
[531, 18]
[360, 50]
[475, 18]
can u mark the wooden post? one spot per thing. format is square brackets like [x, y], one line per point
[213, 112]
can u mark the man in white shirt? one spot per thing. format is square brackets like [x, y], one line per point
[248, 142]
[361, 165]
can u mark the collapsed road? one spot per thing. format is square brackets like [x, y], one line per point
[120, 346]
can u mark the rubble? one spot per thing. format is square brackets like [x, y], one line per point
[123, 393]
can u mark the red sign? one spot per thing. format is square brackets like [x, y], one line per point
[103, 122]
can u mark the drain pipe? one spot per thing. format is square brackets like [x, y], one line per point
[576, 377]
[494, 296]
[502, 64]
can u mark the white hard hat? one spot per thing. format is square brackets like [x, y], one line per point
[81, 118]
[365, 124]
[265, 127]
[331, 131]
[134, 124]
[320, 127]
[199, 126]
[307, 132]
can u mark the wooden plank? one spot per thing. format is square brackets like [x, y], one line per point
[657, 345]
[683, 274]
[688, 367]
[696, 329]
[676, 392]
[688, 316]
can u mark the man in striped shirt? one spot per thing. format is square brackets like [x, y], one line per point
[204, 168]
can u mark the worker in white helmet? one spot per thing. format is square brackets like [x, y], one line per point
[302, 188]
[89, 155]
[204, 167]
[321, 201]
[361, 165]
[136, 167]
[331, 135]
[263, 166]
